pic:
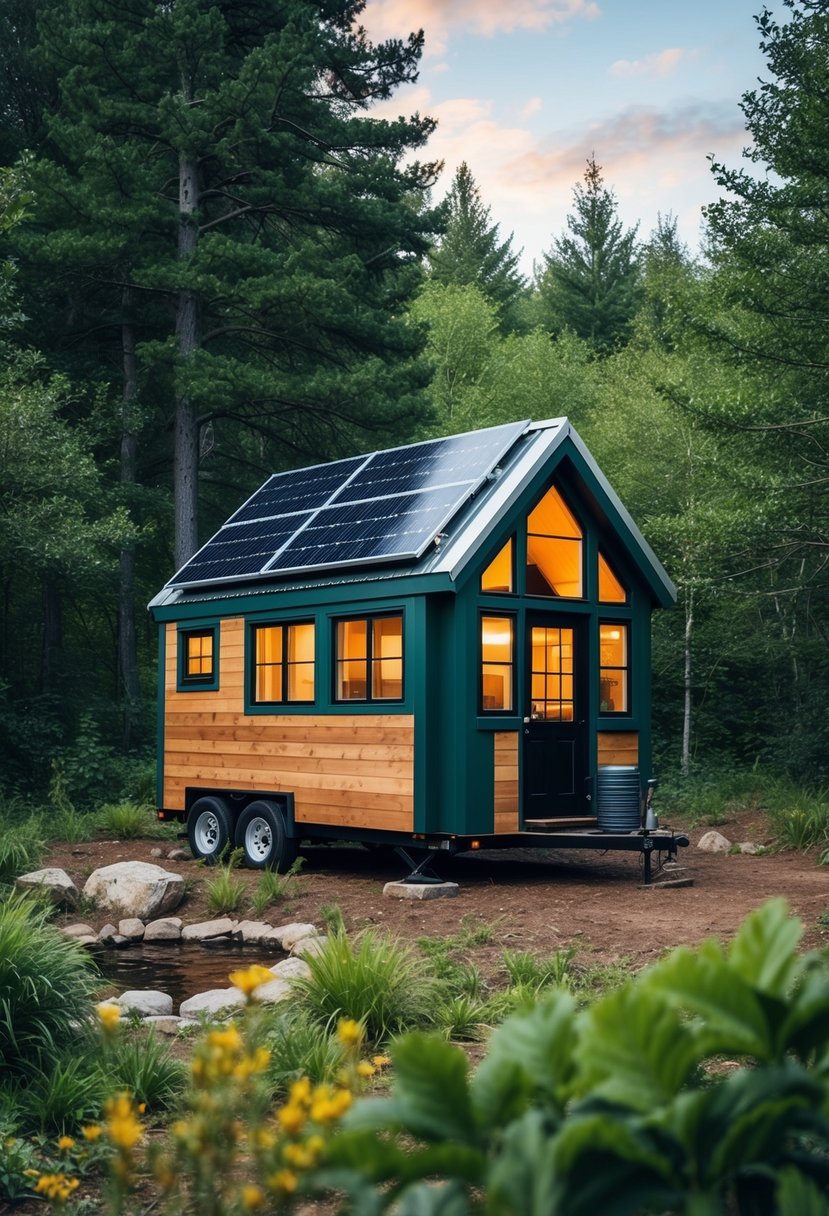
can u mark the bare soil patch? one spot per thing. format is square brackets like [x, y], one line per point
[533, 900]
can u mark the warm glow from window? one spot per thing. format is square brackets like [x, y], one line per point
[614, 673]
[554, 549]
[284, 663]
[551, 675]
[497, 634]
[498, 574]
[611, 590]
[369, 659]
[199, 655]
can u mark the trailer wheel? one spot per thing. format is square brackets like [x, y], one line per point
[209, 828]
[261, 832]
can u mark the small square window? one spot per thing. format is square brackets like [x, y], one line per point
[369, 659]
[283, 664]
[198, 658]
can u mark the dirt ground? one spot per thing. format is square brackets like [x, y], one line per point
[533, 900]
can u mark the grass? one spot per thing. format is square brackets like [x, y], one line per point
[299, 1047]
[374, 979]
[21, 848]
[224, 890]
[126, 820]
[273, 887]
[142, 1063]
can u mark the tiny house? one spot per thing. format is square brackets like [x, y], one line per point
[438, 646]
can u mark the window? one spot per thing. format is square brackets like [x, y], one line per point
[554, 549]
[551, 674]
[614, 671]
[497, 664]
[283, 664]
[198, 658]
[611, 590]
[369, 659]
[498, 575]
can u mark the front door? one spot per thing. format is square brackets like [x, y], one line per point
[555, 740]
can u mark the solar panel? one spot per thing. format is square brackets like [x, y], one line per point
[389, 505]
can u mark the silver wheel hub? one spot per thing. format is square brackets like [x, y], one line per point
[207, 833]
[258, 839]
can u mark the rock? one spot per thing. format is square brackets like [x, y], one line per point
[107, 933]
[309, 945]
[168, 1023]
[56, 883]
[78, 930]
[87, 939]
[420, 890]
[749, 846]
[156, 852]
[119, 941]
[167, 929]
[253, 932]
[146, 1002]
[217, 1002]
[179, 855]
[132, 928]
[714, 842]
[292, 969]
[273, 992]
[289, 935]
[205, 929]
[135, 888]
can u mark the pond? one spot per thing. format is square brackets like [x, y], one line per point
[181, 971]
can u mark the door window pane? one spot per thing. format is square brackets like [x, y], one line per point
[551, 675]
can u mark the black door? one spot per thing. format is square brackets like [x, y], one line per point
[555, 742]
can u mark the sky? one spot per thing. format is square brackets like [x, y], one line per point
[525, 91]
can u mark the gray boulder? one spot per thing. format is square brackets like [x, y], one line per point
[56, 883]
[289, 935]
[714, 842]
[292, 969]
[217, 1003]
[167, 929]
[135, 888]
[131, 927]
[146, 1002]
[204, 930]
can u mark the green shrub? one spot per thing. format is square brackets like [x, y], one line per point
[225, 891]
[46, 982]
[21, 848]
[614, 1108]
[142, 1064]
[273, 886]
[126, 820]
[299, 1047]
[802, 828]
[462, 1018]
[530, 971]
[64, 1093]
[373, 979]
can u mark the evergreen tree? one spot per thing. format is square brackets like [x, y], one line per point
[214, 198]
[471, 254]
[590, 279]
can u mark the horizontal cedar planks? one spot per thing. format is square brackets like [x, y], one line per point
[201, 770]
[308, 729]
[618, 747]
[328, 807]
[263, 760]
[505, 755]
[236, 739]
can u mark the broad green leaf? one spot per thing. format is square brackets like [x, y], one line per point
[635, 1049]
[702, 982]
[763, 950]
[378, 1158]
[805, 1028]
[530, 1055]
[443, 1199]
[520, 1181]
[800, 1196]
[609, 1165]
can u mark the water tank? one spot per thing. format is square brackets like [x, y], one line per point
[619, 798]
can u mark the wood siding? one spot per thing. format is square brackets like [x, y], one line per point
[349, 770]
[506, 781]
[618, 747]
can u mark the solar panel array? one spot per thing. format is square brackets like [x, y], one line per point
[388, 505]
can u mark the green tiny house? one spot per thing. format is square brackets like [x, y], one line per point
[444, 644]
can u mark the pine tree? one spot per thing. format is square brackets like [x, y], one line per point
[215, 195]
[590, 279]
[471, 254]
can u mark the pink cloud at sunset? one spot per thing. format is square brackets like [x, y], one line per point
[393, 18]
[661, 63]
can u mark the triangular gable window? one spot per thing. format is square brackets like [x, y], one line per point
[498, 575]
[554, 549]
[611, 590]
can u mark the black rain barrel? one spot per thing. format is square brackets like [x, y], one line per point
[619, 798]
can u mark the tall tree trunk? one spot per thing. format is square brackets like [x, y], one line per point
[186, 452]
[127, 642]
[686, 709]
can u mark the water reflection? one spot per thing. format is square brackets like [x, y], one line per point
[180, 970]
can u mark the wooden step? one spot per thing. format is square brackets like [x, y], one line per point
[550, 825]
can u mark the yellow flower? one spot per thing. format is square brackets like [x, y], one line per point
[228, 1040]
[300, 1092]
[349, 1032]
[263, 1137]
[57, 1187]
[297, 1156]
[123, 1127]
[92, 1132]
[291, 1119]
[327, 1107]
[109, 1016]
[250, 979]
[283, 1180]
[364, 1069]
[381, 1061]
[65, 1143]
[252, 1198]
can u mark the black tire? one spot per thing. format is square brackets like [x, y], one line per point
[262, 834]
[209, 828]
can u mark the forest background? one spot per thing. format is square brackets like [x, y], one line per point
[215, 264]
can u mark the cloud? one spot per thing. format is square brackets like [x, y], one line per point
[532, 107]
[661, 63]
[394, 18]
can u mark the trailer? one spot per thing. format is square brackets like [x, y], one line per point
[437, 647]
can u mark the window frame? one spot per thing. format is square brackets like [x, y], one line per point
[253, 666]
[499, 711]
[626, 669]
[581, 540]
[369, 618]
[512, 542]
[196, 683]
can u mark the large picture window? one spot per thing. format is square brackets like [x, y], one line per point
[614, 672]
[497, 664]
[554, 549]
[198, 659]
[283, 664]
[368, 659]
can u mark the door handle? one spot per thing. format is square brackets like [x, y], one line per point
[526, 730]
